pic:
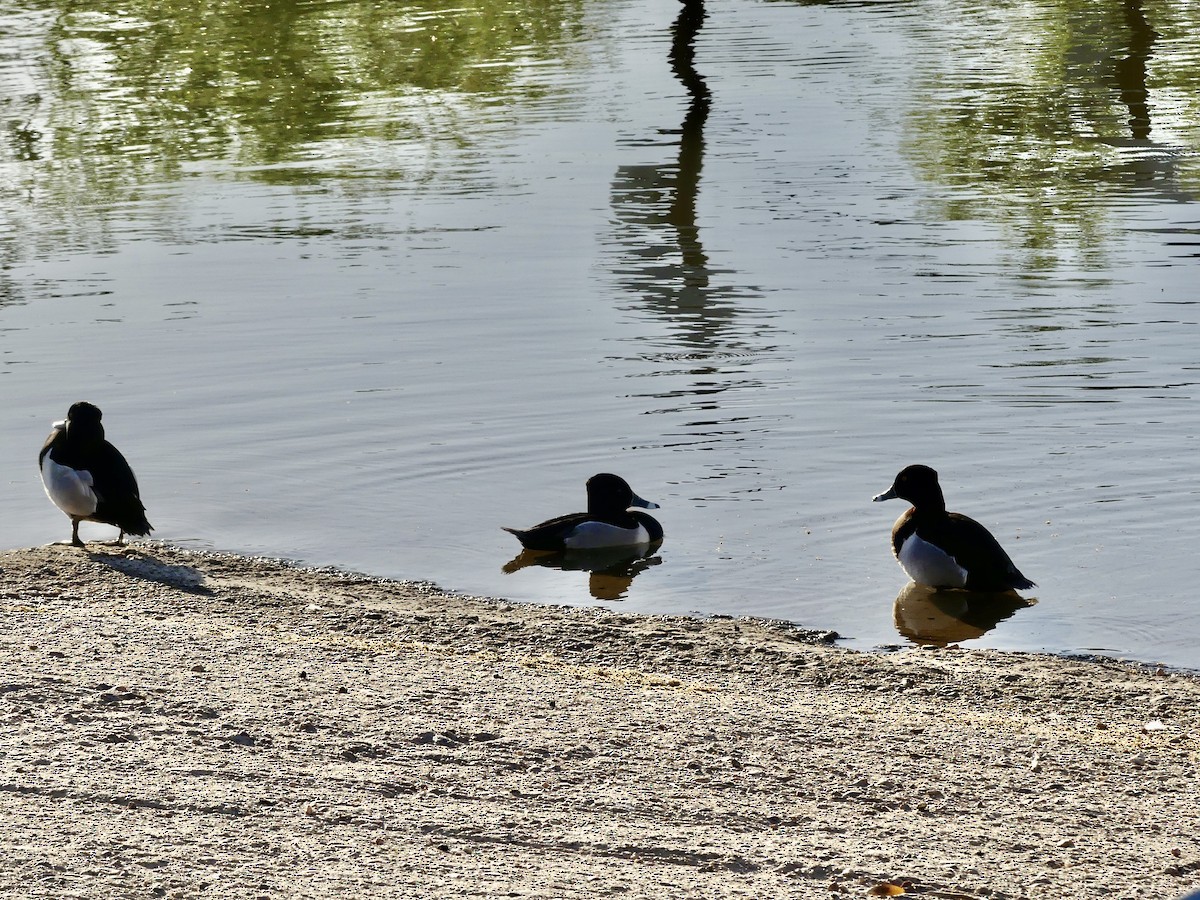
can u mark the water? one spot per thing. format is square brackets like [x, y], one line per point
[358, 283]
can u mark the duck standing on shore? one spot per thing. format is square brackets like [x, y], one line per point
[946, 549]
[88, 478]
[608, 522]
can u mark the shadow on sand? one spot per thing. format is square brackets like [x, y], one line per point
[139, 563]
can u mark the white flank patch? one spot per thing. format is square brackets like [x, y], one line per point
[928, 565]
[70, 490]
[593, 535]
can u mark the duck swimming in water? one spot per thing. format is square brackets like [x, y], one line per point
[608, 522]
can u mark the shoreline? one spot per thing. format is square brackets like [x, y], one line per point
[189, 723]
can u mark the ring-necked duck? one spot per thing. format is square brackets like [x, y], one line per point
[946, 549]
[608, 522]
[88, 478]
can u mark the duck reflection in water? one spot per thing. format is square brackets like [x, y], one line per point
[611, 570]
[942, 616]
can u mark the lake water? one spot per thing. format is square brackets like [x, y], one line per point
[356, 283]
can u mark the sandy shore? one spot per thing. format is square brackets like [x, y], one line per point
[196, 725]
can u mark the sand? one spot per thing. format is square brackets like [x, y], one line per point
[178, 724]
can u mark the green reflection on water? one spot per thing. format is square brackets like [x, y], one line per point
[134, 90]
[1031, 113]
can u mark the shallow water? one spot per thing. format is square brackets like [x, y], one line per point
[358, 283]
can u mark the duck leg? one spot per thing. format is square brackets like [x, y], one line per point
[75, 532]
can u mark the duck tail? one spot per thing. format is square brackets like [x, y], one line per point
[130, 517]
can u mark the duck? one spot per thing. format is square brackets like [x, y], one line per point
[87, 477]
[609, 521]
[946, 549]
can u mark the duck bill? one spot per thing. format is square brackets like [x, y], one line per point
[644, 504]
[889, 494]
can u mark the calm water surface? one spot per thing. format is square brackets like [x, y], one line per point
[356, 283]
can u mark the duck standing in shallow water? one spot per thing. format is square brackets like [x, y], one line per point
[946, 549]
[88, 478]
[608, 522]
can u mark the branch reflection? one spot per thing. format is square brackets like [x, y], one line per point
[663, 259]
[712, 345]
[1131, 70]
